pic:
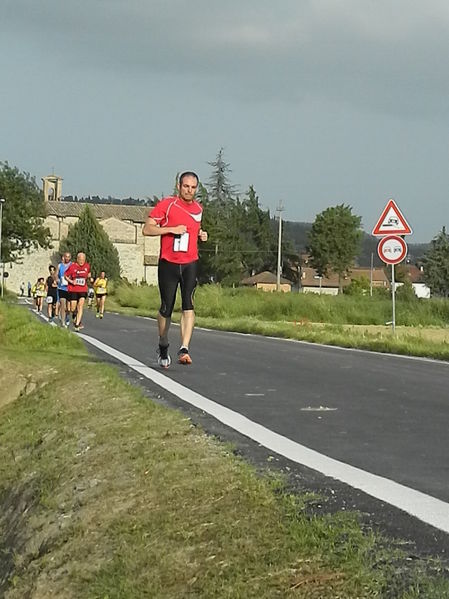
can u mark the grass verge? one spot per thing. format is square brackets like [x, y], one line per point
[105, 494]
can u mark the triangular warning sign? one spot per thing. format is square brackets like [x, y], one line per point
[392, 222]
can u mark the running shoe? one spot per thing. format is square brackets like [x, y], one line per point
[183, 356]
[97, 315]
[76, 328]
[163, 359]
[101, 315]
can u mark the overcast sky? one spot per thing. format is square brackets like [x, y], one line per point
[315, 102]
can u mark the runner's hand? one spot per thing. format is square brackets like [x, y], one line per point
[179, 229]
[202, 235]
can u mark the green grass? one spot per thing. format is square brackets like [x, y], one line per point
[345, 321]
[213, 301]
[106, 494]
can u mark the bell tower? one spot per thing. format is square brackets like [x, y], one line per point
[52, 187]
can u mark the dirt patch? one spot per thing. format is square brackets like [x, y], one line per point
[17, 380]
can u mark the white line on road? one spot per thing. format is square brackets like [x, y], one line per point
[424, 507]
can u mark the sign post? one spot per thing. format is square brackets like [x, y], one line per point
[393, 301]
[392, 248]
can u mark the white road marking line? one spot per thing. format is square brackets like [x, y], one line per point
[424, 507]
[255, 394]
[318, 409]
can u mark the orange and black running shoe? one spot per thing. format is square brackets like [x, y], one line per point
[183, 356]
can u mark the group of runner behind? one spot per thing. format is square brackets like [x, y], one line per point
[66, 288]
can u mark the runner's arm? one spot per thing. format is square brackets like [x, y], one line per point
[152, 229]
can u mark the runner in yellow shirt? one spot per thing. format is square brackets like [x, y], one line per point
[40, 293]
[101, 291]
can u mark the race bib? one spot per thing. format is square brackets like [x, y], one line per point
[49, 299]
[181, 242]
[80, 281]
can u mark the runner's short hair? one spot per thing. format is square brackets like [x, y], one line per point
[188, 174]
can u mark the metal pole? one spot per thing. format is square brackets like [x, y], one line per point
[2, 201]
[393, 297]
[278, 273]
[371, 277]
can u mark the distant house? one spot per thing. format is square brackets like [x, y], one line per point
[266, 281]
[415, 276]
[379, 278]
[311, 282]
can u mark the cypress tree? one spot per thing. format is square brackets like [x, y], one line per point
[88, 236]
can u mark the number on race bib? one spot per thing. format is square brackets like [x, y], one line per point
[181, 242]
[80, 281]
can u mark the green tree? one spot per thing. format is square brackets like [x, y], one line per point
[88, 236]
[219, 187]
[436, 264]
[405, 292]
[260, 251]
[219, 260]
[334, 241]
[242, 239]
[23, 213]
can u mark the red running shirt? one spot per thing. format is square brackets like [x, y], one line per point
[80, 274]
[173, 211]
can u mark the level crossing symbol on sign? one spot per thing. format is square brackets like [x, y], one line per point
[392, 222]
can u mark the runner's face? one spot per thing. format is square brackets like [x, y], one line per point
[187, 188]
[81, 259]
[66, 258]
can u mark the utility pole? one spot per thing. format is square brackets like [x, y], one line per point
[280, 210]
[2, 201]
[371, 276]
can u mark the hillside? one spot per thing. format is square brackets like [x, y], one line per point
[297, 233]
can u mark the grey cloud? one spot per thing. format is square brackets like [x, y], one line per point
[378, 55]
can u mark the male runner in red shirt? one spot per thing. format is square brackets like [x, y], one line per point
[77, 276]
[177, 219]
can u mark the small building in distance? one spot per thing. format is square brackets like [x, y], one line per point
[266, 281]
[311, 282]
[379, 278]
[138, 254]
[415, 274]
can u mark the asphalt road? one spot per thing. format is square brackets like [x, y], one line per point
[386, 415]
